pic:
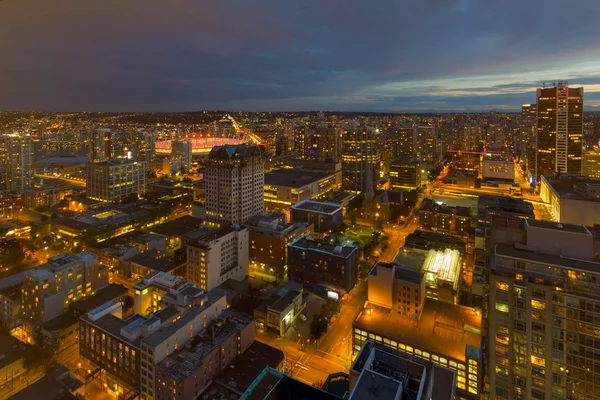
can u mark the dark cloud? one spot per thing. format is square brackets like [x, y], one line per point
[269, 54]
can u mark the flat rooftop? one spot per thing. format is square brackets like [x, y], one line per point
[572, 228]
[293, 178]
[103, 295]
[177, 227]
[548, 259]
[375, 386]
[275, 385]
[156, 261]
[11, 349]
[340, 251]
[244, 370]
[443, 329]
[318, 207]
[424, 240]
[429, 206]
[58, 384]
[569, 186]
[112, 324]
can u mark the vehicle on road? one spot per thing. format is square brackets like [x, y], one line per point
[303, 317]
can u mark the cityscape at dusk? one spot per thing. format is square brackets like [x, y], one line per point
[297, 201]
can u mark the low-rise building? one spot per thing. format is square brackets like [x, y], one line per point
[498, 167]
[280, 310]
[446, 219]
[144, 264]
[58, 384]
[45, 196]
[380, 372]
[10, 306]
[285, 187]
[114, 179]
[323, 264]
[188, 371]
[48, 290]
[270, 236]
[573, 199]
[128, 350]
[324, 216]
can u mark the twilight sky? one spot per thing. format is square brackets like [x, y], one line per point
[360, 55]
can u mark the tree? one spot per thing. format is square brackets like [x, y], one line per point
[378, 225]
[11, 252]
[318, 326]
[130, 198]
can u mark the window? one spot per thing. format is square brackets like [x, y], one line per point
[502, 307]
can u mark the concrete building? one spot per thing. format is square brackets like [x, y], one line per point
[573, 199]
[379, 372]
[528, 134]
[285, 187]
[459, 326]
[270, 236]
[359, 158]
[10, 306]
[213, 256]
[559, 129]
[400, 289]
[45, 196]
[112, 180]
[188, 371]
[591, 165]
[279, 311]
[324, 264]
[234, 183]
[16, 161]
[130, 350]
[48, 290]
[181, 150]
[497, 167]
[405, 173]
[427, 144]
[442, 218]
[100, 145]
[323, 216]
[543, 298]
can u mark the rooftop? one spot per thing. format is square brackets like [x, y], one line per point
[376, 386]
[310, 244]
[293, 178]
[12, 292]
[56, 385]
[113, 325]
[274, 385]
[156, 260]
[234, 151]
[525, 254]
[572, 228]
[11, 349]
[284, 301]
[103, 295]
[178, 226]
[424, 240]
[568, 186]
[431, 206]
[443, 329]
[318, 206]
[244, 370]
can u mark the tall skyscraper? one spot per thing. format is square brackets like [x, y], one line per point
[528, 128]
[181, 149]
[16, 156]
[100, 145]
[426, 144]
[359, 157]
[234, 183]
[559, 129]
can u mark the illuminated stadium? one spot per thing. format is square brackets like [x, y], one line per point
[200, 146]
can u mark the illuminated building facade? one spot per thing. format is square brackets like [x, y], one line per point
[112, 180]
[234, 184]
[442, 218]
[591, 165]
[100, 145]
[181, 149]
[45, 196]
[528, 134]
[285, 187]
[427, 144]
[543, 302]
[16, 161]
[559, 129]
[270, 236]
[405, 173]
[48, 289]
[359, 158]
[215, 256]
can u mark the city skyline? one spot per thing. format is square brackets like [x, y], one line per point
[427, 56]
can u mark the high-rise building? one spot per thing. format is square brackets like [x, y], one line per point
[528, 128]
[214, 256]
[359, 158]
[559, 129]
[112, 180]
[427, 144]
[181, 149]
[235, 181]
[591, 164]
[100, 145]
[543, 299]
[405, 173]
[16, 157]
